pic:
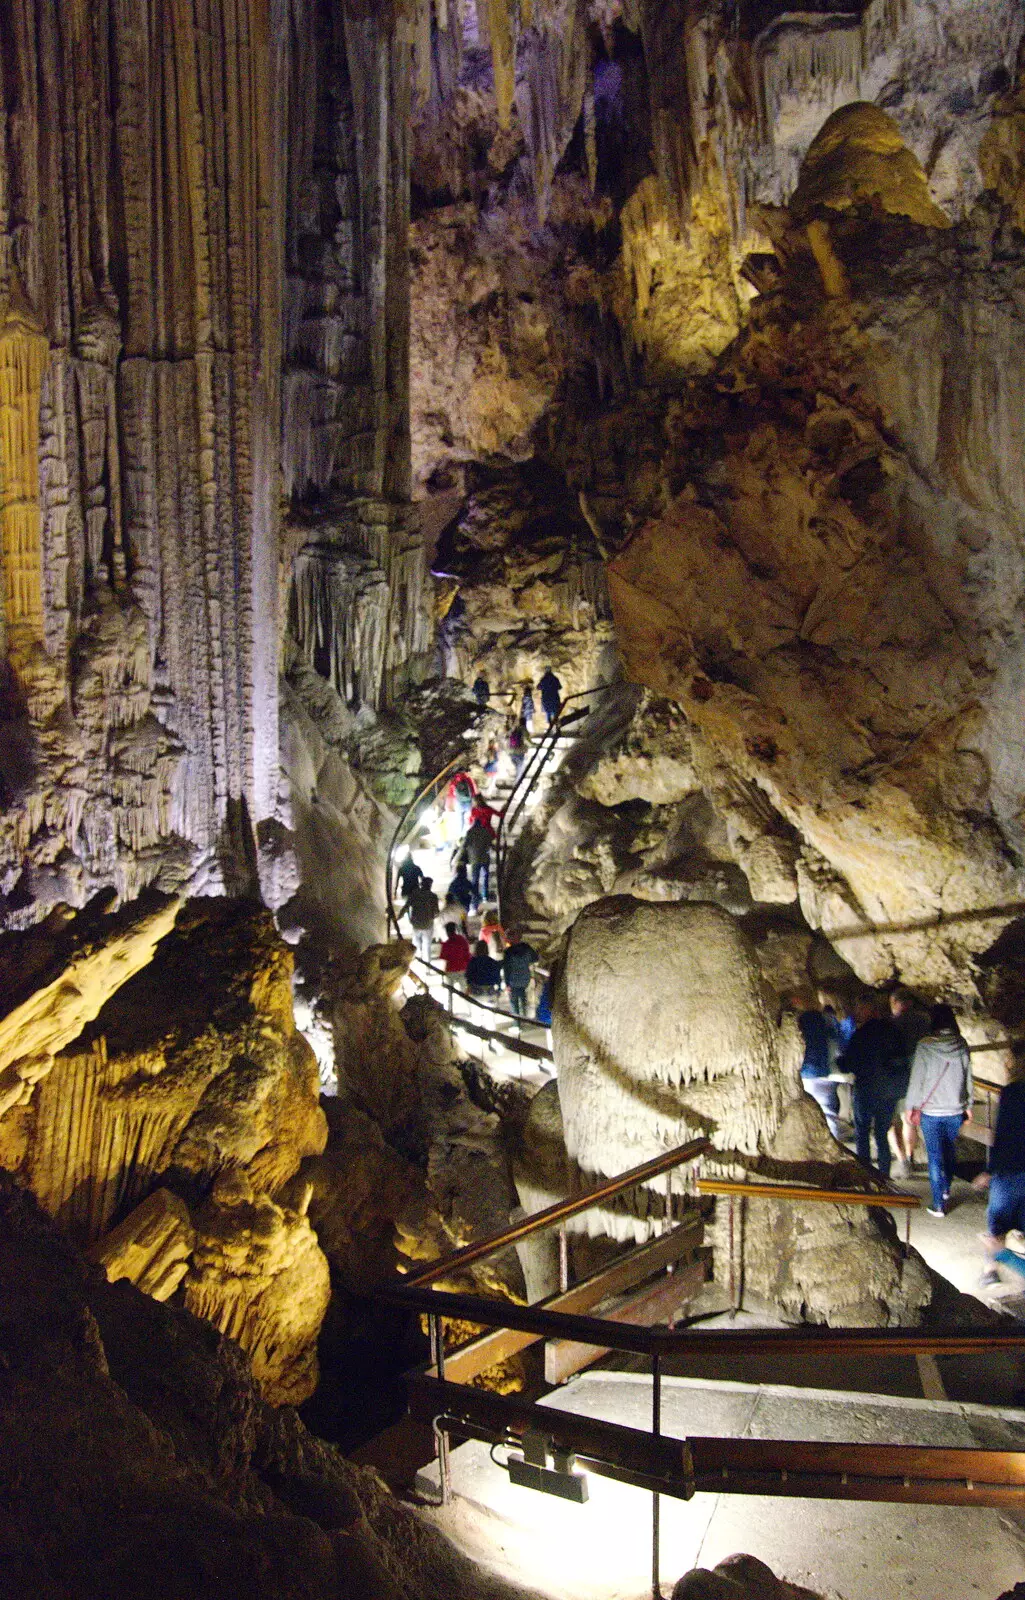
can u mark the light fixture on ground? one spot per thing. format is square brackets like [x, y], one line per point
[531, 1470]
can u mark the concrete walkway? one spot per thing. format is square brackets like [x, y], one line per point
[602, 1550]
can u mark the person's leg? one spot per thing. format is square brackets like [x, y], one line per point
[933, 1138]
[518, 1000]
[475, 884]
[947, 1133]
[825, 1094]
[882, 1117]
[486, 877]
[862, 1108]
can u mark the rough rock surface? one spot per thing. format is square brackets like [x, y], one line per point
[664, 1029]
[137, 1458]
[191, 1077]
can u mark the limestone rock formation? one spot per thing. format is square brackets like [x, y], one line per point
[58, 978]
[739, 1577]
[192, 1078]
[664, 1029]
[151, 1247]
[137, 1457]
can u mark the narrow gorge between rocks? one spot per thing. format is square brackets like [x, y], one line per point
[512, 612]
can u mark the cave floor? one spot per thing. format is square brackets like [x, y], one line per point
[601, 1551]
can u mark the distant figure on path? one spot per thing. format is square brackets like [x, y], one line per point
[455, 955]
[460, 892]
[483, 975]
[481, 812]
[940, 1099]
[409, 875]
[517, 754]
[491, 930]
[527, 708]
[422, 908]
[477, 847]
[876, 1057]
[551, 695]
[516, 969]
[460, 794]
[482, 692]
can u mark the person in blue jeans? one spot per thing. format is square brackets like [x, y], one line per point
[1005, 1178]
[875, 1055]
[939, 1099]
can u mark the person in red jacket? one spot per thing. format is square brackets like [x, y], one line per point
[455, 956]
[481, 812]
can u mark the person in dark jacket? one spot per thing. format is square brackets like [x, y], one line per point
[482, 692]
[550, 690]
[876, 1057]
[460, 891]
[477, 849]
[517, 750]
[409, 875]
[483, 975]
[422, 909]
[816, 1066]
[517, 963]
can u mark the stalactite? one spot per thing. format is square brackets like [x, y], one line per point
[23, 354]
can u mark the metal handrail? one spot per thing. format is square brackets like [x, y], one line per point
[559, 1212]
[531, 774]
[894, 1199]
[429, 789]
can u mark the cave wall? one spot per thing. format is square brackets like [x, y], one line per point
[203, 317]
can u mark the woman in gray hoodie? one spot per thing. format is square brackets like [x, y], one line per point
[940, 1098]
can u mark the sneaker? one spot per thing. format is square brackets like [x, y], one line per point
[931, 1211]
[990, 1277]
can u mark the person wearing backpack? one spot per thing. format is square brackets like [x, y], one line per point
[939, 1099]
[875, 1055]
[517, 962]
[477, 850]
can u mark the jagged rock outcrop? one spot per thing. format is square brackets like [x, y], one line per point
[663, 1030]
[191, 1078]
[137, 1457]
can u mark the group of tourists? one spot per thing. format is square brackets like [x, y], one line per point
[521, 724]
[911, 1074]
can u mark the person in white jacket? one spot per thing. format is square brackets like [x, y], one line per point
[939, 1098]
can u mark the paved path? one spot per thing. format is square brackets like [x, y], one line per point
[601, 1551]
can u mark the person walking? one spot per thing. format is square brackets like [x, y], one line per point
[483, 974]
[477, 848]
[527, 709]
[409, 875]
[911, 1021]
[517, 963]
[876, 1058]
[460, 892]
[455, 956]
[481, 691]
[422, 909]
[1005, 1164]
[460, 795]
[491, 930]
[816, 1065]
[517, 752]
[550, 690]
[480, 811]
[939, 1099]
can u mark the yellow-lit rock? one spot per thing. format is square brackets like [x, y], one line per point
[859, 157]
[151, 1247]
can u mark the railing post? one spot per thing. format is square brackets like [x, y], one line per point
[656, 1509]
[440, 1437]
[563, 1261]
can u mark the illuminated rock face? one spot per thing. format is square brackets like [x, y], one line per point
[168, 1136]
[203, 306]
[664, 1030]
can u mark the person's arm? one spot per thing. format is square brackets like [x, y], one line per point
[969, 1086]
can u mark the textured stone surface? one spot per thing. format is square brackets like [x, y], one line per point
[137, 1458]
[663, 1030]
